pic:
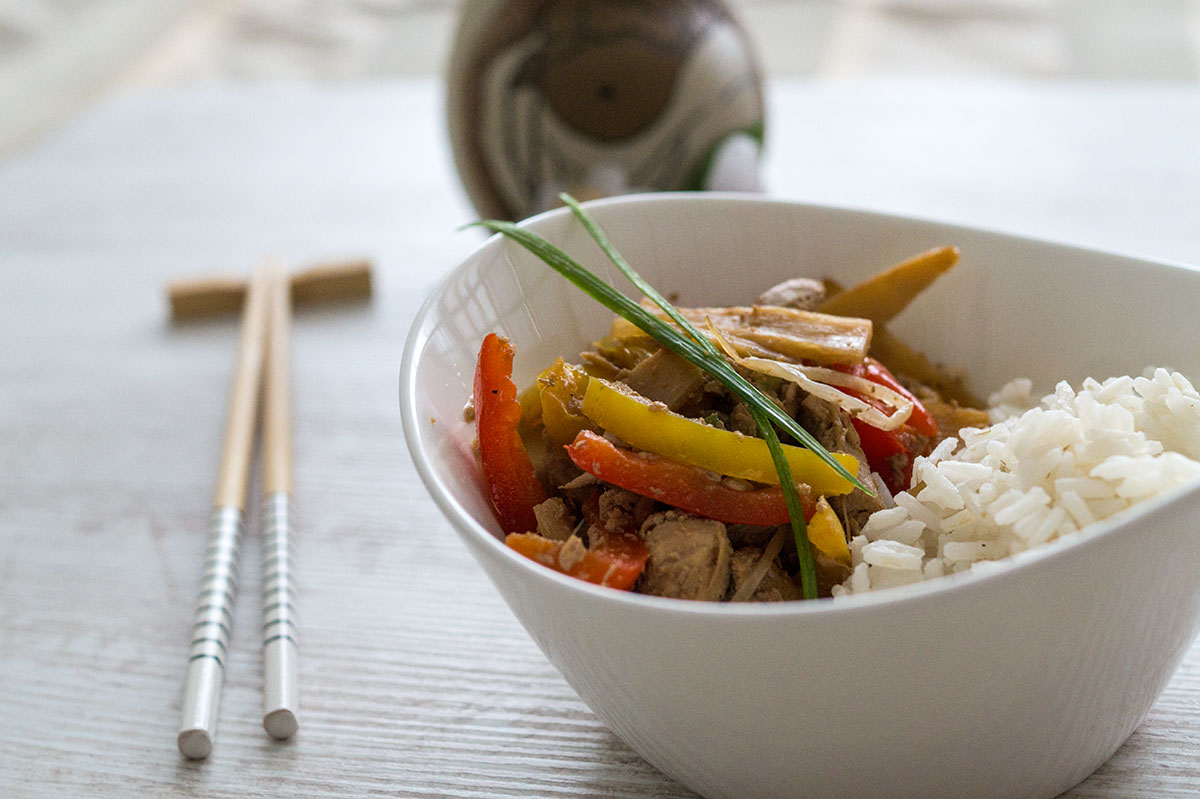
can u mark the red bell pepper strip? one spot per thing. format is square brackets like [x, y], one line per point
[615, 561]
[890, 453]
[887, 454]
[680, 485]
[507, 470]
[920, 420]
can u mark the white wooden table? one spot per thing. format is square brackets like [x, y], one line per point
[416, 680]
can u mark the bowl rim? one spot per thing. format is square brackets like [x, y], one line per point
[993, 574]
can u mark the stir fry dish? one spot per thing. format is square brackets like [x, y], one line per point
[722, 453]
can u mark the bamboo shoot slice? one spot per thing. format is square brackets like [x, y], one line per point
[779, 333]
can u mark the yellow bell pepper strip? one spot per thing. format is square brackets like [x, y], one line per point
[645, 425]
[507, 470]
[616, 562]
[561, 390]
[826, 533]
[531, 406]
[688, 488]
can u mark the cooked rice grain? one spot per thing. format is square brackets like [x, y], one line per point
[1037, 473]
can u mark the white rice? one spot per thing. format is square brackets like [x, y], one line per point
[1037, 473]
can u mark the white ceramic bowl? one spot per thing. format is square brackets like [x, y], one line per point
[1017, 682]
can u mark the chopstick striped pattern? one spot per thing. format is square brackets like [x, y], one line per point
[278, 576]
[213, 620]
[281, 648]
[211, 630]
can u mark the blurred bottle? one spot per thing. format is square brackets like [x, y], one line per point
[601, 97]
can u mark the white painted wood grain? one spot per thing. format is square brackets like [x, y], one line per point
[416, 679]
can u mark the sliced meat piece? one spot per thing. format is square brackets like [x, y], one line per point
[689, 557]
[748, 535]
[571, 553]
[623, 511]
[784, 394]
[791, 395]
[667, 378]
[801, 293]
[830, 425]
[775, 586]
[741, 420]
[554, 520]
[601, 366]
[554, 466]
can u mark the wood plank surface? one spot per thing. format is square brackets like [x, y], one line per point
[416, 680]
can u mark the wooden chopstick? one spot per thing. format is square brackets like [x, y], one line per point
[218, 585]
[331, 281]
[280, 653]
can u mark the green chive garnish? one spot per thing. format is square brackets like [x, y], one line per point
[696, 349]
[791, 498]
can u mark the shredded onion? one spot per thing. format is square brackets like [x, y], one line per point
[885, 494]
[724, 342]
[759, 570]
[820, 381]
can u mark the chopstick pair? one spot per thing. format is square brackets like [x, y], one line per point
[263, 362]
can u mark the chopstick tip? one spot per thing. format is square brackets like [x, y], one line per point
[195, 744]
[281, 724]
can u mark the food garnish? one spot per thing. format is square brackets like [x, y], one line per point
[697, 349]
